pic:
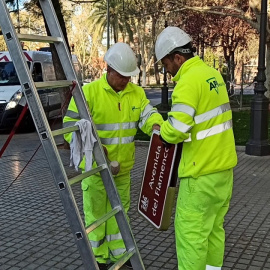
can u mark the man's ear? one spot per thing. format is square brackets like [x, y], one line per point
[179, 59]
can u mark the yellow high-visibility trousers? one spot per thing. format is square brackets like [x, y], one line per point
[106, 240]
[201, 207]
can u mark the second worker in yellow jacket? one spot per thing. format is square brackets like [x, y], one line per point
[201, 118]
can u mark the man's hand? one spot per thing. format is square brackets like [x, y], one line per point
[156, 127]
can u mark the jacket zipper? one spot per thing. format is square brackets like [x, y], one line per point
[119, 106]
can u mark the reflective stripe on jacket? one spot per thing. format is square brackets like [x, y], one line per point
[117, 117]
[201, 117]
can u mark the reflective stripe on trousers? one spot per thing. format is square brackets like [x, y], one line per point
[73, 114]
[108, 239]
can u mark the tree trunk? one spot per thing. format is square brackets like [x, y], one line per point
[143, 64]
[155, 58]
[231, 68]
[59, 72]
[143, 75]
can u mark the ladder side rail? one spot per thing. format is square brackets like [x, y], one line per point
[84, 113]
[46, 138]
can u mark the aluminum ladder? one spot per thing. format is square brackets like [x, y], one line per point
[47, 137]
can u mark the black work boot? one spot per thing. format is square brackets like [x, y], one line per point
[103, 266]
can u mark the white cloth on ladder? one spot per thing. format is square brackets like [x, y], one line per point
[82, 143]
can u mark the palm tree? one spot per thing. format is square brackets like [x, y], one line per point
[119, 22]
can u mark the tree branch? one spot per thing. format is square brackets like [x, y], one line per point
[217, 10]
[240, 15]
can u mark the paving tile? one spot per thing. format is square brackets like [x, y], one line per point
[35, 234]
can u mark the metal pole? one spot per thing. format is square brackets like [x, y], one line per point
[139, 62]
[108, 24]
[231, 73]
[18, 16]
[242, 87]
[258, 143]
[164, 89]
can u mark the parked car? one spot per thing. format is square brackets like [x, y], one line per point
[12, 99]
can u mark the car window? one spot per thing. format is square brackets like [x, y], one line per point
[8, 74]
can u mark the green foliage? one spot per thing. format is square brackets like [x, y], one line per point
[212, 59]
[119, 22]
[241, 126]
[235, 101]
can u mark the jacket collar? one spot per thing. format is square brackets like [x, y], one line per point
[105, 83]
[186, 66]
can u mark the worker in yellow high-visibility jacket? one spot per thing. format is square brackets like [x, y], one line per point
[201, 118]
[118, 107]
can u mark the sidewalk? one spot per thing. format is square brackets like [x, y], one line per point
[34, 232]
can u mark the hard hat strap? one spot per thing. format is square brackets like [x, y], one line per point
[181, 50]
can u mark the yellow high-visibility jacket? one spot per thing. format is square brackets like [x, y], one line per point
[116, 117]
[201, 118]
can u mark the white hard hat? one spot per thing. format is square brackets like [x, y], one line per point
[170, 38]
[122, 59]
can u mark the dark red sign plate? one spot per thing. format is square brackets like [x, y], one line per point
[156, 179]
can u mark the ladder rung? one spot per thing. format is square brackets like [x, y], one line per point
[64, 130]
[53, 84]
[123, 259]
[38, 38]
[84, 175]
[104, 218]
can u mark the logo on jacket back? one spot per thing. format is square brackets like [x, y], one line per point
[213, 84]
